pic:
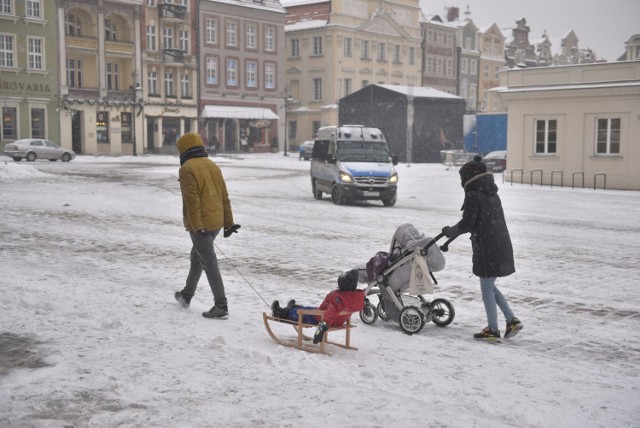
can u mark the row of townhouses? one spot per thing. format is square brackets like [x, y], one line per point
[131, 76]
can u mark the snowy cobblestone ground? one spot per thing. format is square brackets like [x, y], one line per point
[92, 250]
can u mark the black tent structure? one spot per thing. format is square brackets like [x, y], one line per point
[418, 122]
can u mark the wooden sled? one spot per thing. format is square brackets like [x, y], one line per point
[299, 326]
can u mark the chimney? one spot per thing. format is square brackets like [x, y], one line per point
[453, 13]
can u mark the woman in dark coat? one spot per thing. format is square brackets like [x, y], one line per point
[483, 217]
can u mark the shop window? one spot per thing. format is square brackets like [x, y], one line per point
[102, 127]
[37, 123]
[9, 123]
[125, 126]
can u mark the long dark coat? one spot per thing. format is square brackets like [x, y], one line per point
[482, 215]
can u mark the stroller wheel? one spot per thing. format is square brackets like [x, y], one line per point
[382, 313]
[411, 319]
[442, 312]
[368, 315]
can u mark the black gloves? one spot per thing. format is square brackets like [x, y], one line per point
[231, 229]
[451, 231]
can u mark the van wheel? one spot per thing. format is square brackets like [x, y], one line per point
[336, 195]
[390, 202]
[316, 193]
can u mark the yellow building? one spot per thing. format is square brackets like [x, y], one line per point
[335, 47]
[100, 55]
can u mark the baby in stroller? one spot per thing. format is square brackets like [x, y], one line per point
[389, 277]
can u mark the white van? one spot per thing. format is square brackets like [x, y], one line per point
[352, 162]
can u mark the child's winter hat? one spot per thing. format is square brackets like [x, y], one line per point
[471, 169]
[189, 141]
[348, 281]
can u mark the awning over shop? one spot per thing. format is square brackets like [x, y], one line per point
[233, 112]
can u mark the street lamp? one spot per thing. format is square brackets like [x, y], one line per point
[287, 100]
[136, 91]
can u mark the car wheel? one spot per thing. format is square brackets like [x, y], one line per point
[17, 159]
[66, 157]
[31, 157]
[336, 195]
[316, 193]
[390, 202]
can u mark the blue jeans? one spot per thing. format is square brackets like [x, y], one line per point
[493, 298]
[204, 258]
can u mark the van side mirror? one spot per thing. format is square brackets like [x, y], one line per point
[394, 159]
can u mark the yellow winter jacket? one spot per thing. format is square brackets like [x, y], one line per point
[205, 202]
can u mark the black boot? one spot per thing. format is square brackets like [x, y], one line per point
[276, 309]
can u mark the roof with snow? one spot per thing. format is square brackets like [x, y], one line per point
[270, 5]
[418, 91]
[306, 25]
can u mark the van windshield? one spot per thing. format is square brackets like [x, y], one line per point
[359, 151]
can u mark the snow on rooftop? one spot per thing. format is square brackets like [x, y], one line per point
[306, 25]
[419, 91]
[270, 5]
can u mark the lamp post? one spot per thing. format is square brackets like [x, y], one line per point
[136, 91]
[287, 100]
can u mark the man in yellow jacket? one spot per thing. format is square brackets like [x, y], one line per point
[206, 209]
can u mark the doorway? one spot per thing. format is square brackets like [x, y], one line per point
[76, 131]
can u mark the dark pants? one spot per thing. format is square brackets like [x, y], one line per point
[204, 258]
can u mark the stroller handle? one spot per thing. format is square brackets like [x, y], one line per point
[444, 247]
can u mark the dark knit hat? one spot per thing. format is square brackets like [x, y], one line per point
[348, 281]
[472, 168]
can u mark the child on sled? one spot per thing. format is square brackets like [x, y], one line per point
[346, 299]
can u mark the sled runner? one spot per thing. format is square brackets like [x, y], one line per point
[299, 342]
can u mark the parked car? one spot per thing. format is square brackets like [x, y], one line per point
[35, 148]
[306, 149]
[496, 161]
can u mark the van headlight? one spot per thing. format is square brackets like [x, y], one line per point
[345, 178]
[394, 178]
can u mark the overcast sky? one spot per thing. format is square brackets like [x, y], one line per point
[602, 25]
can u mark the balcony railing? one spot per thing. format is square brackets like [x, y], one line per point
[172, 11]
[81, 42]
[119, 47]
[173, 55]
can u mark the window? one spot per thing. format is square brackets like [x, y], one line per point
[317, 89]
[232, 72]
[382, 54]
[110, 30]
[151, 2]
[152, 82]
[151, 38]
[184, 41]
[496, 72]
[212, 71]
[9, 123]
[6, 50]
[232, 33]
[365, 49]
[269, 76]
[608, 136]
[125, 127]
[295, 48]
[464, 65]
[73, 26]
[34, 9]
[5, 7]
[440, 37]
[412, 55]
[487, 46]
[74, 73]
[210, 31]
[473, 67]
[485, 71]
[252, 74]
[37, 123]
[250, 39]
[269, 39]
[449, 67]
[185, 86]
[429, 35]
[348, 41]
[546, 136]
[112, 76]
[438, 65]
[167, 38]
[102, 127]
[450, 39]
[317, 45]
[429, 64]
[396, 53]
[347, 86]
[35, 46]
[467, 43]
[169, 90]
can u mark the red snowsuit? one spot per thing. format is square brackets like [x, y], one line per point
[341, 301]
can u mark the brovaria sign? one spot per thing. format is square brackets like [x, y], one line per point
[24, 87]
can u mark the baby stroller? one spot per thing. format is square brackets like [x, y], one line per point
[389, 276]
